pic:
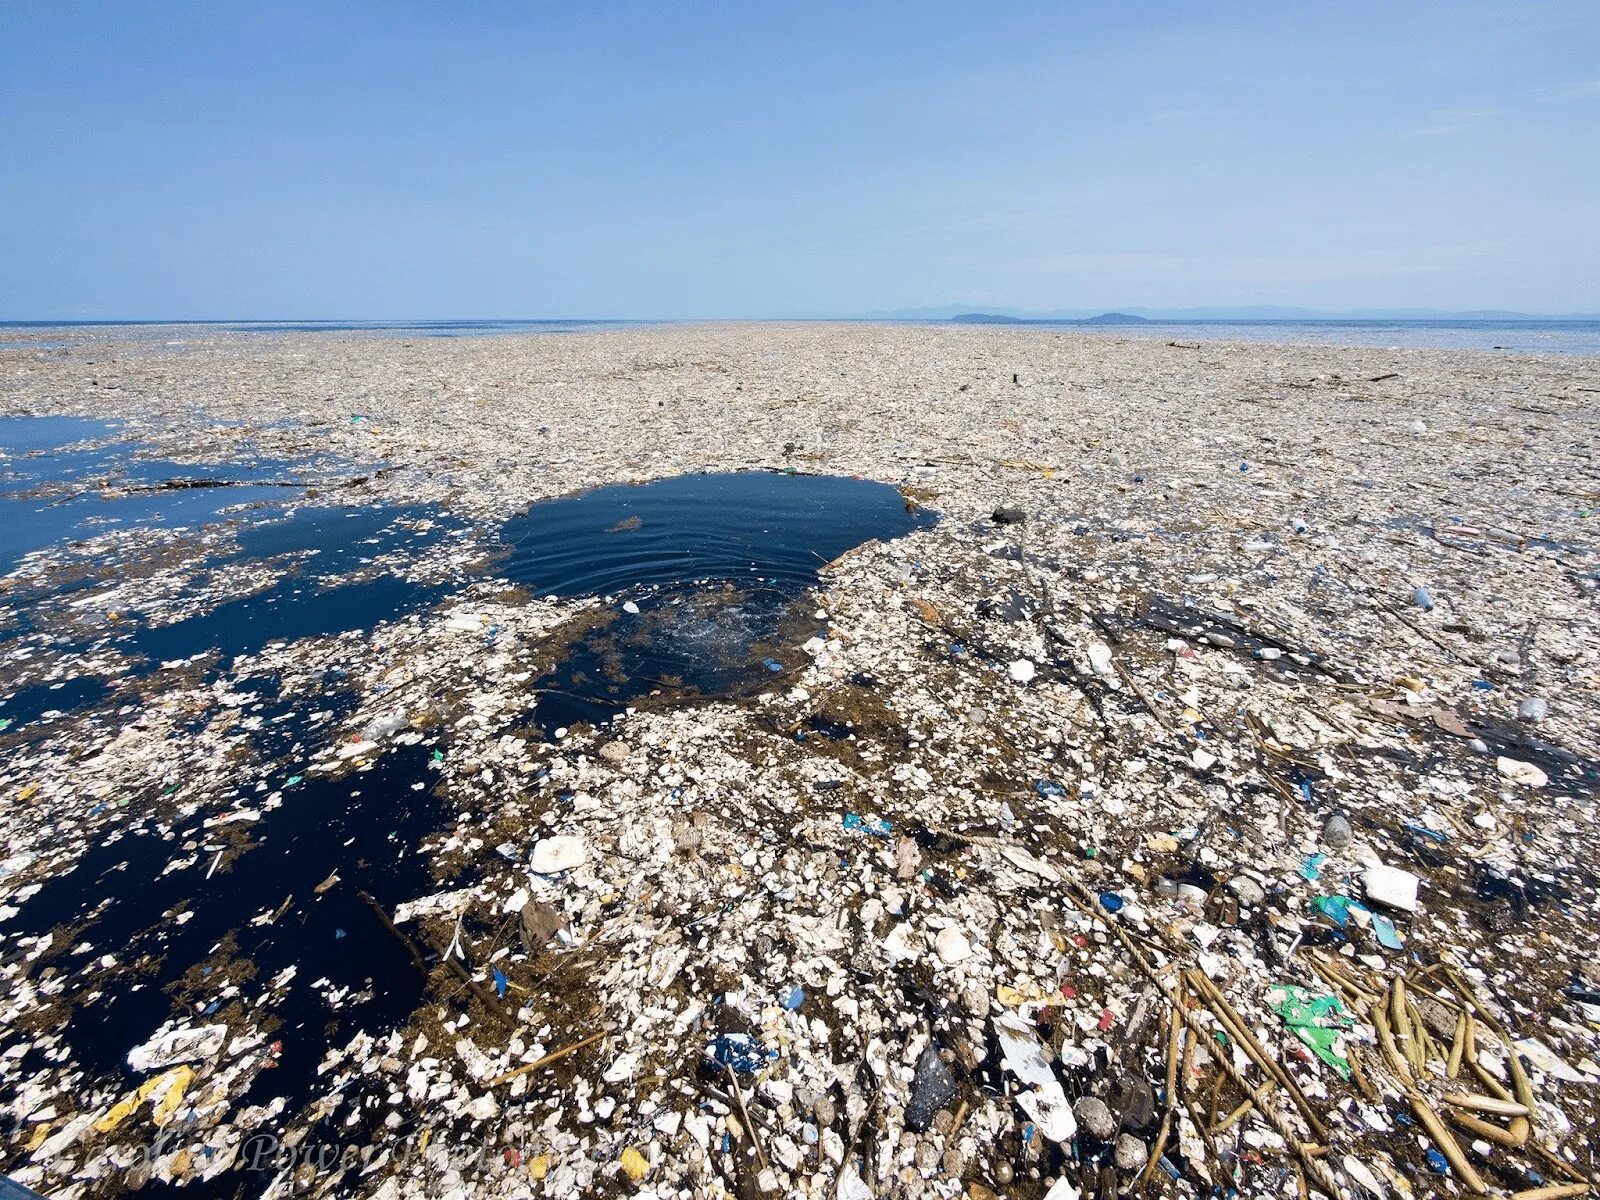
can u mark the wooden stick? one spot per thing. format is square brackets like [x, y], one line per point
[1190, 1044]
[1316, 1169]
[1391, 1052]
[1400, 1024]
[383, 918]
[1521, 1126]
[1552, 1191]
[1359, 1074]
[1211, 1101]
[1175, 1039]
[1157, 1147]
[549, 1058]
[1250, 1101]
[478, 990]
[1555, 1162]
[738, 1094]
[1488, 1080]
[1252, 1047]
[1427, 1048]
[1488, 1104]
[1458, 1046]
[1485, 1129]
[1448, 1145]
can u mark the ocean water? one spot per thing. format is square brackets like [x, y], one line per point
[704, 576]
[171, 332]
[1513, 337]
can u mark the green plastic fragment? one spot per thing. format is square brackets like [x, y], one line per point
[1316, 1020]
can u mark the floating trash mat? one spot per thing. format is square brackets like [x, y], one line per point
[233, 929]
[157, 910]
[702, 577]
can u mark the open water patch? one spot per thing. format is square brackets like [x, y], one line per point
[69, 478]
[703, 577]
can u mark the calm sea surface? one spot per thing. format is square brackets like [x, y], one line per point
[1517, 337]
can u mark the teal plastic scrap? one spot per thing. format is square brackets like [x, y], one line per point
[1335, 908]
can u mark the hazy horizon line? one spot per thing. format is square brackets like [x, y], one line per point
[1199, 314]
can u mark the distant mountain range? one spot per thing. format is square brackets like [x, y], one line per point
[972, 315]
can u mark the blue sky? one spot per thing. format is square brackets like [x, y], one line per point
[394, 158]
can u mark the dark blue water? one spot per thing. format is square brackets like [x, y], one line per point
[715, 565]
[365, 829]
[25, 708]
[762, 529]
[117, 896]
[313, 600]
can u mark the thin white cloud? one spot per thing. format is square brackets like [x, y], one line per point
[1578, 89]
[1446, 121]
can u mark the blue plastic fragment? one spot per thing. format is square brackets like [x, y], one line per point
[1424, 831]
[337, 934]
[792, 997]
[500, 982]
[1423, 599]
[1439, 1163]
[1312, 867]
[1388, 936]
[1111, 902]
[1048, 788]
[772, 665]
[741, 1052]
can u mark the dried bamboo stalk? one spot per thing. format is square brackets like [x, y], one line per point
[1485, 1129]
[1250, 1101]
[548, 1058]
[1247, 1040]
[1488, 1104]
[1391, 1052]
[1552, 1191]
[1458, 1046]
[1448, 1146]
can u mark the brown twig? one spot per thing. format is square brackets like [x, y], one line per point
[548, 1058]
[755, 1140]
